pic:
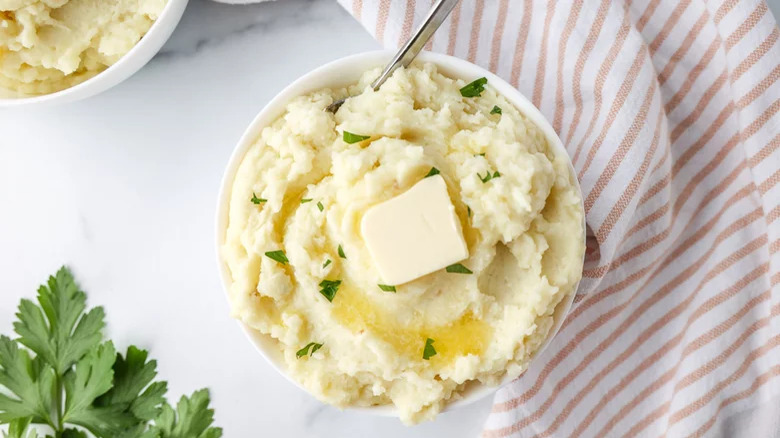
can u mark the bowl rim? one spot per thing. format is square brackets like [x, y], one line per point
[126, 66]
[345, 66]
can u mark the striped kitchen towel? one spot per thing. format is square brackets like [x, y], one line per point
[669, 111]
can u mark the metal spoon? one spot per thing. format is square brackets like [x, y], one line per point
[409, 51]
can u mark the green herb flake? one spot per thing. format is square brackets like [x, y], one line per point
[429, 351]
[320, 206]
[329, 288]
[474, 89]
[458, 268]
[341, 253]
[496, 110]
[278, 256]
[305, 200]
[256, 200]
[468, 209]
[480, 155]
[309, 349]
[433, 171]
[351, 138]
[327, 262]
[386, 288]
[488, 176]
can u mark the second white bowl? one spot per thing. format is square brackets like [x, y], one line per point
[137, 57]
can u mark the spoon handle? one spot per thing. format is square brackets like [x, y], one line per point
[409, 51]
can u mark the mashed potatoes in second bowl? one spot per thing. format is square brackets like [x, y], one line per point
[301, 273]
[50, 45]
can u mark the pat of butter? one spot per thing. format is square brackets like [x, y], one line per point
[415, 233]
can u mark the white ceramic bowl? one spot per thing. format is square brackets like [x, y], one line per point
[133, 60]
[340, 73]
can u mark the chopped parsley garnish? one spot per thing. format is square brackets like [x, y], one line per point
[386, 287]
[329, 288]
[480, 155]
[354, 138]
[429, 351]
[433, 171]
[474, 89]
[488, 176]
[458, 268]
[278, 256]
[309, 349]
[320, 206]
[305, 200]
[327, 262]
[341, 253]
[469, 210]
[256, 200]
[496, 110]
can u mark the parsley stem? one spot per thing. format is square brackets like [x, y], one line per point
[59, 390]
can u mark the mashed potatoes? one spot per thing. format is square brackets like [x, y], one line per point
[50, 45]
[523, 227]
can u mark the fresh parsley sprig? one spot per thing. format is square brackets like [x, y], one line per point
[60, 373]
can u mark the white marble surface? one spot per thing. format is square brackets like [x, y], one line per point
[122, 188]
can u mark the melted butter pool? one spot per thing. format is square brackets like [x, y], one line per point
[466, 335]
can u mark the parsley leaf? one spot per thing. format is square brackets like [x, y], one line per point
[305, 200]
[277, 256]
[320, 206]
[329, 288]
[433, 171]
[496, 110]
[69, 333]
[386, 288]
[18, 429]
[91, 378]
[327, 262]
[341, 252]
[132, 390]
[192, 419]
[468, 209]
[474, 89]
[488, 176]
[256, 200]
[351, 138]
[32, 382]
[309, 349]
[458, 268]
[429, 351]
